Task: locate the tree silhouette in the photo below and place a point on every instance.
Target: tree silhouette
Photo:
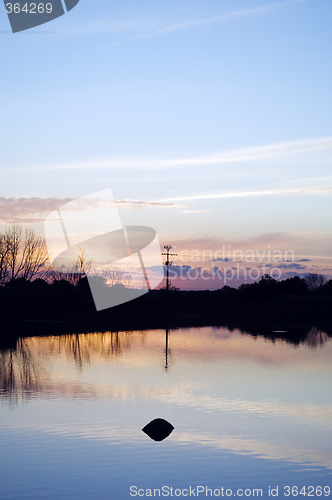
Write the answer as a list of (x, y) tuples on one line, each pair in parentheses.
[(23, 254), (4, 271), (76, 271), (315, 282)]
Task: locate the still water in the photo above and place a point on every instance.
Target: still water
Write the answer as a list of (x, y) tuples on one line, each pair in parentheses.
[(248, 413)]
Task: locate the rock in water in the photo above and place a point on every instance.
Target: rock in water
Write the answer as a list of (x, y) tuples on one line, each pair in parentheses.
[(158, 429)]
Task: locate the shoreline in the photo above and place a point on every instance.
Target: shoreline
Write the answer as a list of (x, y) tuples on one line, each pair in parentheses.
[(288, 319)]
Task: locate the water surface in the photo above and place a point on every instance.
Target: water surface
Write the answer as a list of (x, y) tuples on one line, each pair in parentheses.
[(248, 413)]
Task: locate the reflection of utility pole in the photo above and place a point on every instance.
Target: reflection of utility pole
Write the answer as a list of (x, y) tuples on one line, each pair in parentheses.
[(168, 263), (166, 358)]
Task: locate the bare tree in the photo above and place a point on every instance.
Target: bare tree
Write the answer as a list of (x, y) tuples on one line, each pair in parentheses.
[(116, 276), (35, 255), (24, 253), (3, 259), (75, 271), (315, 281), (84, 261), (13, 237)]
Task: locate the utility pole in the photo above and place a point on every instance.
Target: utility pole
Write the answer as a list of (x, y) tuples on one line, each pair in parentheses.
[(168, 263)]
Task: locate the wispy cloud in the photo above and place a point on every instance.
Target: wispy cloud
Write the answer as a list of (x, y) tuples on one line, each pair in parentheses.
[(303, 244), (317, 190), (240, 155), (208, 21), (260, 152), (26, 210), (197, 211), (291, 266)]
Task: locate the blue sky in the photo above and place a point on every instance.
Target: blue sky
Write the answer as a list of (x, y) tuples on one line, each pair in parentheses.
[(218, 111)]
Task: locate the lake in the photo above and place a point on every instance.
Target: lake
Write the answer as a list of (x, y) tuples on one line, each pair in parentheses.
[(250, 414)]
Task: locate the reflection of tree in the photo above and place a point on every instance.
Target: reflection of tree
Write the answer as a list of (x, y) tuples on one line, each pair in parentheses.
[(81, 347), (312, 336), (21, 370), (20, 373), (316, 337)]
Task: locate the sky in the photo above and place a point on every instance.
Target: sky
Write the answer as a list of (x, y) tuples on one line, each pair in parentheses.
[(210, 121)]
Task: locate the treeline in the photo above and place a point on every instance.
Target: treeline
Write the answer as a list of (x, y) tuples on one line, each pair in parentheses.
[(31, 292), (268, 288), (24, 256), (72, 292), (71, 284), (25, 269)]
